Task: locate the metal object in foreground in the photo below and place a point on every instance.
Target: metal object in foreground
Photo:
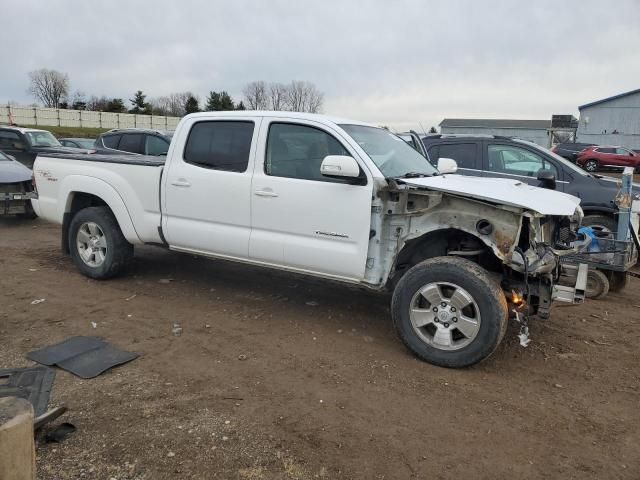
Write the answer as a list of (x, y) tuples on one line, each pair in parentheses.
[(575, 294)]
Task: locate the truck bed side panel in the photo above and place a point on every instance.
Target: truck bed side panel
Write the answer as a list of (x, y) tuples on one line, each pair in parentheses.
[(132, 190)]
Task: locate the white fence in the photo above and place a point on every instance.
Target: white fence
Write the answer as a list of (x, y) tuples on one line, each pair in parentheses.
[(79, 118)]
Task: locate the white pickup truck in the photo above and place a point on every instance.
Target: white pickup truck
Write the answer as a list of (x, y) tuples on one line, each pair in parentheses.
[(330, 198)]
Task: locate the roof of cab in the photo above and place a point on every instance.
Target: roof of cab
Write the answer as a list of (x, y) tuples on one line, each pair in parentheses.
[(274, 114)]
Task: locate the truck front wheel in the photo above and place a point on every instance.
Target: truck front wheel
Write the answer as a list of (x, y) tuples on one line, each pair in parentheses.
[(449, 312), (97, 246)]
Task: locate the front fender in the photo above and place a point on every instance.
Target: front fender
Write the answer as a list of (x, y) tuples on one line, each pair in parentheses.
[(94, 186)]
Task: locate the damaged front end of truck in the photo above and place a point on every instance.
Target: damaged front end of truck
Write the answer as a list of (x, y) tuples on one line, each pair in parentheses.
[(518, 246)]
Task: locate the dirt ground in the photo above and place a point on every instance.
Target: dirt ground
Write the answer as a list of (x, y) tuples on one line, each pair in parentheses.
[(277, 376)]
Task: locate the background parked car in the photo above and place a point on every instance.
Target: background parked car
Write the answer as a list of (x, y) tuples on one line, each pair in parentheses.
[(596, 158), (570, 151), (24, 144), (16, 188), (134, 140), (504, 157), (85, 143)]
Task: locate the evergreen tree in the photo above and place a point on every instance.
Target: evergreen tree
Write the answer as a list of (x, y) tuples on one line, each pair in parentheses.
[(433, 130), (226, 103), (116, 105), (213, 102), (191, 105), (140, 106), (240, 106), (219, 101)]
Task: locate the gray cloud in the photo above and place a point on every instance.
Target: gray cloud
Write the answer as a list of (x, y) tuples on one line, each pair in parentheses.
[(393, 63)]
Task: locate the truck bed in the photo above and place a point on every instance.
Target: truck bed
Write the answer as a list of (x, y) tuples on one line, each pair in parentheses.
[(129, 184)]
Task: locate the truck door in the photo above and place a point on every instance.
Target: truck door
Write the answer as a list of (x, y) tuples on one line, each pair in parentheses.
[(301, 219), (206, 191)]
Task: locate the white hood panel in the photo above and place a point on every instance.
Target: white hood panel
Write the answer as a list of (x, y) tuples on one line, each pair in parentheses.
[(502, 190)]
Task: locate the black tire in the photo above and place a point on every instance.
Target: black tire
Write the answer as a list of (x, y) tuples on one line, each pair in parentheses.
[(618, 281), (485, 292), (597, 285), (118, 250), (600, 222), (591, 165)]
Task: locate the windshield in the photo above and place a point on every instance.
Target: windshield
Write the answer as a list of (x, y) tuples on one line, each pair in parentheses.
[(42, 139), (391, 154), (559, 159)]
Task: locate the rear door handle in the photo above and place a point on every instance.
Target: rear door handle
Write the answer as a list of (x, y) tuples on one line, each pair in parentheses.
[(181, 182), (267, 192)]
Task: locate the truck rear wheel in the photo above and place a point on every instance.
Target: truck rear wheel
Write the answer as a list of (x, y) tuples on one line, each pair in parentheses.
[(449, 312), (97, 246)]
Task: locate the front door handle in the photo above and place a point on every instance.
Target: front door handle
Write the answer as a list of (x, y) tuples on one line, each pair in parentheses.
[(181, 182), (267, 192)]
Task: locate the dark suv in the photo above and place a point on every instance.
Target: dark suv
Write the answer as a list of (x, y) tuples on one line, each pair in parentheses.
[(134, 141), (504, 157)]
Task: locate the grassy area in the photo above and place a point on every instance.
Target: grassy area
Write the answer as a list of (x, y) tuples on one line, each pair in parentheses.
[(70, 132)]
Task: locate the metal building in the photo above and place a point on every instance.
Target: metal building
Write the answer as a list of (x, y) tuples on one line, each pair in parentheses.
[(612, 121), (536, 131)]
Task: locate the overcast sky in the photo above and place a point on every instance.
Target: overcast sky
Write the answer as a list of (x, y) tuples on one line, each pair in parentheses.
[(395, 63)]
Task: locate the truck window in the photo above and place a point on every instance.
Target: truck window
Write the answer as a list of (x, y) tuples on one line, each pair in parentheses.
[(297, 151), (131, 142), (220, 145)]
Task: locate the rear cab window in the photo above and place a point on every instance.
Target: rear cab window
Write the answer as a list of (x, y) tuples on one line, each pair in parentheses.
[(220, 145)]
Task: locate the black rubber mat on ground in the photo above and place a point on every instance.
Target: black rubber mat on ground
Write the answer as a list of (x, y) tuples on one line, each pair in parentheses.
[(33, 384), (86, 357)]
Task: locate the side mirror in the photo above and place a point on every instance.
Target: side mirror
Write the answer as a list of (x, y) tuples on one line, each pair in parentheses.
[(547, 179), (340, 166), (447, 165)]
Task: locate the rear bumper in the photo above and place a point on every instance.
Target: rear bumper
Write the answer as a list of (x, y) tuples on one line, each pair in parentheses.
[(16, 203)]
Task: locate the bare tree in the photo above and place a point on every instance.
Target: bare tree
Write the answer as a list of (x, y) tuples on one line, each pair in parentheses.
[(171, 105), (278, 96), (97, 104), (49, 86), (255, 95), (304, 97)]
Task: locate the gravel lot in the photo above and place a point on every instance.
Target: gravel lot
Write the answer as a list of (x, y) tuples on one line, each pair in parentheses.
[(279, 376)]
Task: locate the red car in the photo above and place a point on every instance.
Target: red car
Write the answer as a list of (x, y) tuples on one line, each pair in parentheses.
[(594, 158)]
